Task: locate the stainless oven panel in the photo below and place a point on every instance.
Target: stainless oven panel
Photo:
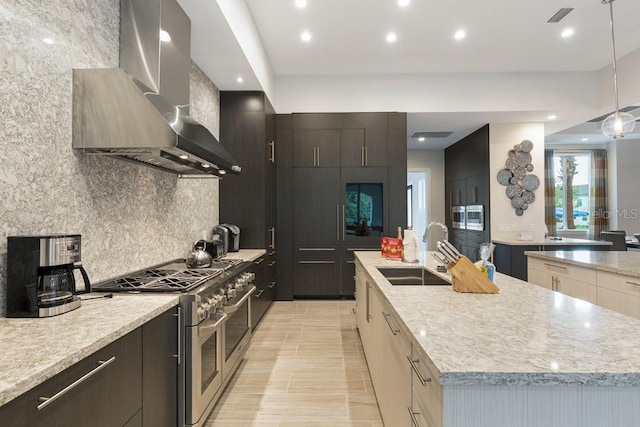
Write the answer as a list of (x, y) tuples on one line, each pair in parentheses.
[(475, 217), (458, 217), (237, 331), (204, 369)]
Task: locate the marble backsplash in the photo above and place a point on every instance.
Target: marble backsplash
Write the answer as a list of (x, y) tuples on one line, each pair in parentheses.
[(130, 216)]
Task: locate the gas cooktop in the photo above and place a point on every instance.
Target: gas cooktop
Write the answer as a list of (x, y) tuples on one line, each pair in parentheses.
[(169, 277)]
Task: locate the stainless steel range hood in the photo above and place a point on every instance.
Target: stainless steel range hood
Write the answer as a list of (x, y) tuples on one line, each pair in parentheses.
[(139, 112)]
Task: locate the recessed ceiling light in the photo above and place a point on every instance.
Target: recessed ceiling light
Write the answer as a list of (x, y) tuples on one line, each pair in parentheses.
[(239, 79), (48, 40), (460, 34), (301, 4), (222, 171), (206, 165), (184, 157), (305, 36), (552, 117), (422, 138), (391, 37), (404, 3), (165, 36), (585, 139), (567, 33)]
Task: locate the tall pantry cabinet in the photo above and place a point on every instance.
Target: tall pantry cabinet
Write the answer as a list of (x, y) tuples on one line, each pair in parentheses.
[(247, 131), (341, 185)]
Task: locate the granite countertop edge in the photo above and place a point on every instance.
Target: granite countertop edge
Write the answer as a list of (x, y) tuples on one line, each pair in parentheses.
[(552, 256)]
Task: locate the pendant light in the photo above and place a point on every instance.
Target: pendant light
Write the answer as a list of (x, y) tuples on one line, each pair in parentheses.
[(618, 124)]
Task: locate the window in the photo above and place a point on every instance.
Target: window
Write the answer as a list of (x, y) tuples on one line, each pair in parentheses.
[(572, 190)]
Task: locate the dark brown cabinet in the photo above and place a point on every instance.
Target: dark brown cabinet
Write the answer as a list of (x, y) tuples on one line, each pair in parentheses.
[(161, 359), (467, 182), (130, 382), (316, 148), (248, 129), (326, 212)]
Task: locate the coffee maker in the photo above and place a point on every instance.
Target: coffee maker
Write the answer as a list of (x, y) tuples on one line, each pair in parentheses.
[(41, 275)]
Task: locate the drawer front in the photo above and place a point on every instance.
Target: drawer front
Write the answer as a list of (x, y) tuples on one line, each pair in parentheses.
[(427, 398), (106, 394), (580, 274), (620, 302), (617, 282)]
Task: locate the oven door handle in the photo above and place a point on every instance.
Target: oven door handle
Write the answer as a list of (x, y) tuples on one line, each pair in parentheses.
[(233, 308), (208, 327)]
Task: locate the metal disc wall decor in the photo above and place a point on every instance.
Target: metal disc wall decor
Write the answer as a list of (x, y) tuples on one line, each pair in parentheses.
[(516, 176)]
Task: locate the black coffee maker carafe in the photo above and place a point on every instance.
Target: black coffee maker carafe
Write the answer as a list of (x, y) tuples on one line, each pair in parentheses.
[(41, 275)]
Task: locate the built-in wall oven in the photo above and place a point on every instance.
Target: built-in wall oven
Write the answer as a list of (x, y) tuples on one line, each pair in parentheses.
[(475, 217), (458, 217)]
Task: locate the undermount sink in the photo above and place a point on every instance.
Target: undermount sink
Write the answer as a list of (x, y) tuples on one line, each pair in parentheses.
[(411, 277)]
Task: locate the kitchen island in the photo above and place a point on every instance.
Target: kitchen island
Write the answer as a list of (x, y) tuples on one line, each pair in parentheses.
[(523, 357), (510, 259), (609, 279)]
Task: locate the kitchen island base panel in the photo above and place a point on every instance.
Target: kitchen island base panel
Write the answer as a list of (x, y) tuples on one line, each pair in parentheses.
[(548, 406)]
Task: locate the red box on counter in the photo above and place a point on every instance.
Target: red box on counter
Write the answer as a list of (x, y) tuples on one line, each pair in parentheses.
[(391, 247)]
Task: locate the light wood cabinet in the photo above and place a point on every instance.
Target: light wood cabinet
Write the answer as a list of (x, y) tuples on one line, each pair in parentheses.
[(571, 280), (619, 293)]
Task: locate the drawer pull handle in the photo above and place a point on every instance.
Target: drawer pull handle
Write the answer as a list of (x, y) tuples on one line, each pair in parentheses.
[(46, 401), (422, 379), (414, 420), (634, 284), (386, 317), (316, 249), (354, 310), (316, 262), (272, 263), (257, 295), (271, 285), (555, 266), (260, 261)]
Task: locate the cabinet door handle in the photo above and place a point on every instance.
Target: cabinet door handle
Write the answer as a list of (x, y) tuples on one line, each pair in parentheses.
[(316, 262), (634, 284), (414, 420), (386, 317), (318, 155), (354, 310), (351, 262), (179, 316), (314, 157), (344, 220), (272, 158), (424, 381), (338, 222), (260, 292), (46, 401), (317, 249), (272, 253), (260, 261), (557, 284), (272, 263), (362, 155), (555, 266), (272, 230), (271, 285), (366, 156)]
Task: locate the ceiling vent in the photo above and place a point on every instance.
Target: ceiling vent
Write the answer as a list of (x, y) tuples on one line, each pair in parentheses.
[(559, 15), (622, 110), (442, 134)]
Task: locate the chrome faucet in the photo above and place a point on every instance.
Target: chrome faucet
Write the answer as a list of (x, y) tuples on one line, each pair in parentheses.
[(425, 237)]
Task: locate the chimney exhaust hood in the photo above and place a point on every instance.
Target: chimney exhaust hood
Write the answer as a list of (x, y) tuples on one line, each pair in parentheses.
[(139, 112)]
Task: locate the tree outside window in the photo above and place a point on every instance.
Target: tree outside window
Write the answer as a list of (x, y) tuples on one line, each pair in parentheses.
[(572, 189)]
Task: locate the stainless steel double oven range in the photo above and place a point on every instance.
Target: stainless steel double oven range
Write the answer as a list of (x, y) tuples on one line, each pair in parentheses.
[(215, 325)]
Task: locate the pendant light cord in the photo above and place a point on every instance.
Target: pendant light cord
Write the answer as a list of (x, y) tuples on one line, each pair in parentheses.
[(613, 43)]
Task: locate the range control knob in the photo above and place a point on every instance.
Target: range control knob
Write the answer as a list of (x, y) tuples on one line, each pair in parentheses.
[(203, 313)]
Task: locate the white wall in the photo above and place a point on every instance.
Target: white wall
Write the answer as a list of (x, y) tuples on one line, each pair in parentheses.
[(433, 162), (623, 159), (505, 224)]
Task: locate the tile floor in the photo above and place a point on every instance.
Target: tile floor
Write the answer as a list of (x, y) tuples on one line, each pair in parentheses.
[(305, 367)]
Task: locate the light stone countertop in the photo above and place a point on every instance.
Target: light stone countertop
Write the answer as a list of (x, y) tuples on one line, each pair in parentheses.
[(621, 262), (524, 335), (34, 350), (566, 241), (246, 254)]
